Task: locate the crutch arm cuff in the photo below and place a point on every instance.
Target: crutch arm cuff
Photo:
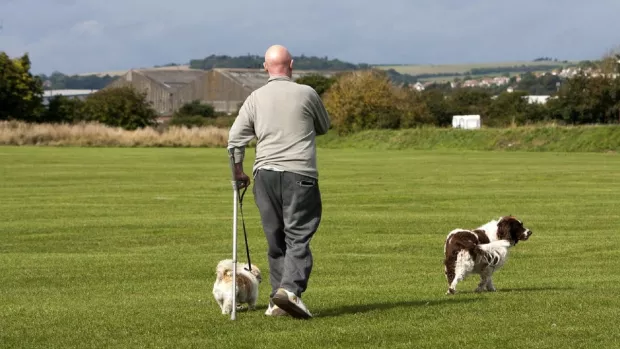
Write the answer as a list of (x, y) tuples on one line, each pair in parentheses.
[(237, 152)]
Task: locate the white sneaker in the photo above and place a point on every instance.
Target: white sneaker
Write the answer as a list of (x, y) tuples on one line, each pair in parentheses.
[(289, 302), (274, 310)]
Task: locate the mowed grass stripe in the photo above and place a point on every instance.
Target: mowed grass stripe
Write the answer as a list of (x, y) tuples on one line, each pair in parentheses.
[(117, 248)]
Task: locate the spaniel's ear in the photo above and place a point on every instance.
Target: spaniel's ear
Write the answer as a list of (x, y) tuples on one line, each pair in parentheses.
[(503, 229)]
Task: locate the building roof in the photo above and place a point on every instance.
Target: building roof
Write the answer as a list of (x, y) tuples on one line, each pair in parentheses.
[(172, 78), (67, 92), (255, 78), (123, 72)]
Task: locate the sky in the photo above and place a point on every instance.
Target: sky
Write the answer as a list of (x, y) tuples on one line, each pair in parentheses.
[(79, 36)]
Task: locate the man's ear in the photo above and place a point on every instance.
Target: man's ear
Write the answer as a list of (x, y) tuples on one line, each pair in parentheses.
[(265, 66), (291, 65)]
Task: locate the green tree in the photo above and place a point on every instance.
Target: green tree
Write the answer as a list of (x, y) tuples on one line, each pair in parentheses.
[(370, 100), (438, 107), (466, 101), (507, 109), (539, 112), (401, 79), (61, 109), (413, 109), (21, 93), (363, 100), (319, 83), (610, 63), (120, 107), (543, 85), (587, 100)]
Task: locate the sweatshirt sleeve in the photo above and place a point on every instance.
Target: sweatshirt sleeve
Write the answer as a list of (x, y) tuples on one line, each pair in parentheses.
[(321, 117), (242, 130)]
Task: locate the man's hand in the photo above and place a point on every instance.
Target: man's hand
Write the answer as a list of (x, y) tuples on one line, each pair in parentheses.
[(242, 179)]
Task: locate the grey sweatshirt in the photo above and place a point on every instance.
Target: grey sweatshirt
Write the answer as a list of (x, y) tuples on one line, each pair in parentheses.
[(285, 117)]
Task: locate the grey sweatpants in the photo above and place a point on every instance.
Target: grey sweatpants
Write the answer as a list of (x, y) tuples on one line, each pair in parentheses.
[(290, 208)]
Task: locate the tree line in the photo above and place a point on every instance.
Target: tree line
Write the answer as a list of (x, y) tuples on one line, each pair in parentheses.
[(21, 98), (356, 100), (370, 100), (249, 61), (60, 81)]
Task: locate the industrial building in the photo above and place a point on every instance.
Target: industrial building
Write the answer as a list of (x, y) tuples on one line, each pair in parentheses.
[(225, 89)]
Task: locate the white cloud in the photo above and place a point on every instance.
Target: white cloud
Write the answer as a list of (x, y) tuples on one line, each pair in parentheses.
[(93, 35)]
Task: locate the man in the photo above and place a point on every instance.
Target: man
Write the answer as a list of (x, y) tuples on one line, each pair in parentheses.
[(285, 117)]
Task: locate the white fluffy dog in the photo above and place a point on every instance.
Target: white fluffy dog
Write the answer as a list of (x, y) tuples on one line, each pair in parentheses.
[(247, 285)]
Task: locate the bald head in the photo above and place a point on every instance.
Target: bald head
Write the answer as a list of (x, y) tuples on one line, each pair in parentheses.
[(278, 61)]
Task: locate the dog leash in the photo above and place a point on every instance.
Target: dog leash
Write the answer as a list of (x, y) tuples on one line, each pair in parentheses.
[(240, 195)]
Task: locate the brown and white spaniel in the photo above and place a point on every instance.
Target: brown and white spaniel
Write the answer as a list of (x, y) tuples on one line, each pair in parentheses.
[(481, 251)]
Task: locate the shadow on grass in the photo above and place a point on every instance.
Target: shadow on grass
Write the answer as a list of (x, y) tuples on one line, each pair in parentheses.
[(454, 299), (534, 289), (363, 308), (244, 308), (524, 289)]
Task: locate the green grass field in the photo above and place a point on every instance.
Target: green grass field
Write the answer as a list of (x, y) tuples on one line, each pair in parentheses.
[(117, 248), (418, 69)]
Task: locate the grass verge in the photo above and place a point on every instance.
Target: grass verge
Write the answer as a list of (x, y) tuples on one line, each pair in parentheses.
[(527, 138)]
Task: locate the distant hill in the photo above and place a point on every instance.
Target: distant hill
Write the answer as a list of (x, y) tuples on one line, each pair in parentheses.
[(450, 71), (406, 73), (256, 62)]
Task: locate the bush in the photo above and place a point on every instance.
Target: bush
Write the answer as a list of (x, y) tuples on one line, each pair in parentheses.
[(194, 114), (196, 108)]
